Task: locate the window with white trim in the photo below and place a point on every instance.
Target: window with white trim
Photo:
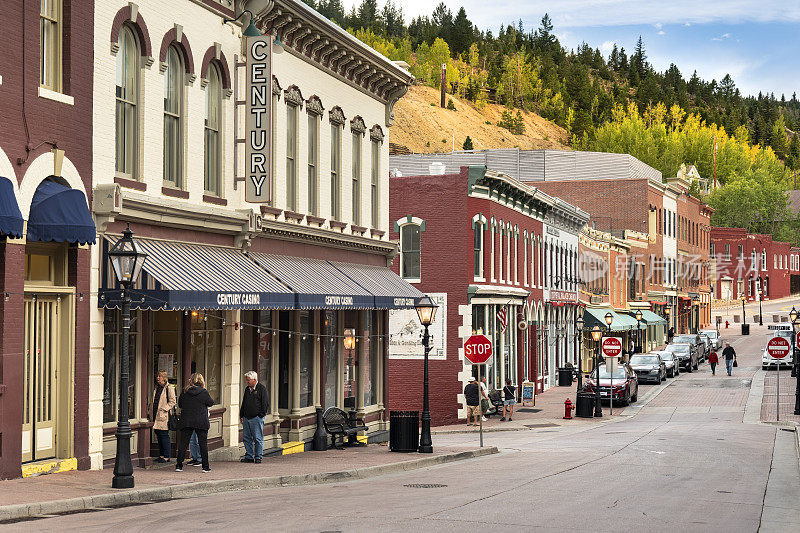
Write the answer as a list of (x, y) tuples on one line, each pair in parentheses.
[(291, 156), (356, 169), (212, 132), (336, 171), (374, 192), (313, 164), (411, 251), (173, 128), (50, 44), (477, 250), (127, 101)]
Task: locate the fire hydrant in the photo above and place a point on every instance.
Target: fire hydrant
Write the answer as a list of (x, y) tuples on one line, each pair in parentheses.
[(568, 409), (727, 324)]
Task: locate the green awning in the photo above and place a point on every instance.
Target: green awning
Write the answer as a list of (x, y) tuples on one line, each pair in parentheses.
[(592, 316), (651, 318)]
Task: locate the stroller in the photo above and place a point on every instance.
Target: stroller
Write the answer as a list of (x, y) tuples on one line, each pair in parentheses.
[(495, 404)]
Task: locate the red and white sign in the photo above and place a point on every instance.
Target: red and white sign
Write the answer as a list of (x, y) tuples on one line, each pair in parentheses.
[(778, 348), (477, 349), (563, 296), (612, 347)]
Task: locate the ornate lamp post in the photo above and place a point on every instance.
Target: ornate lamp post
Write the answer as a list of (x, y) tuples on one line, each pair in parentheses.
[(127, 259), (760, 300), (667, 312), (639, 330), (579, 344), (426, 310), (744, 315), (597, 334)]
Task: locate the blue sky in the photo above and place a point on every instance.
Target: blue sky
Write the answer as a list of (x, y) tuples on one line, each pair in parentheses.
[(756, 42)]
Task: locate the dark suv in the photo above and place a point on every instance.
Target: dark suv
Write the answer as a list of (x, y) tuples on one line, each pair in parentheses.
[(697, 345), (685, 353)]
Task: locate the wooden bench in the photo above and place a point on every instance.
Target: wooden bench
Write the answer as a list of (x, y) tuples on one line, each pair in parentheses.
[(339, 424)]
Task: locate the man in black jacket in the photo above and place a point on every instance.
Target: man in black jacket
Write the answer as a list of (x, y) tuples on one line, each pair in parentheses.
[(255, 405)]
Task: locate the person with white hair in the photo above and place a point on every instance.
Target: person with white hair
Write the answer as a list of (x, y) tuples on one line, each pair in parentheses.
[(255, 405)]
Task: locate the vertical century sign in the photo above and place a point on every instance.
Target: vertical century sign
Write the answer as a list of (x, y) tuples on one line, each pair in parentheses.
[(258, 123)]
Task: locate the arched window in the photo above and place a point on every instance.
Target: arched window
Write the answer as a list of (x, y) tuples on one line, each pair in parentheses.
[(410, 252), (127, 97), (173, 130), (477, 249), (213, 125)]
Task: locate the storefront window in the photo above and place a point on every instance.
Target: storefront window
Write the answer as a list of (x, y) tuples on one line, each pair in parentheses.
[(350, 378), (510, 348), (372, 361), (478, 319), (112, 347), (307, 342), (206, 351), (264, 339), (330, 326), (283, 360)]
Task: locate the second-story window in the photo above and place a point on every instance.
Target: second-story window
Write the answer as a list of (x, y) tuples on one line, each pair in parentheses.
[(356, 188), (127, 100), (477, 250), (50, 39), (291, 156), (410, 252), (313, 164), (173, 131), (375, 201), (336, 171), (213, 124)]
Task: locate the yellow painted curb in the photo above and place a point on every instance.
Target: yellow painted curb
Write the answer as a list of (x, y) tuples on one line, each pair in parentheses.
[(293, 447), (49, 467), (362, 438)]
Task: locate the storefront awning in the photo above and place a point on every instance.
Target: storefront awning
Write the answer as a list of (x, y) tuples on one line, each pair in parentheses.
[(390, 290), (178, 275), (60, 214), (317, 283), (11, 223), (592, 316), (651, 318)]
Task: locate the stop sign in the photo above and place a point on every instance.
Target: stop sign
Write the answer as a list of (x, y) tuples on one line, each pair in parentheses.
[(612, 347), (778, 347), (477, 349)]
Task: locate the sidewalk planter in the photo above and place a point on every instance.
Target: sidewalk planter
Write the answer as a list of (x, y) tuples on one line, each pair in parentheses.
[(403, 431)]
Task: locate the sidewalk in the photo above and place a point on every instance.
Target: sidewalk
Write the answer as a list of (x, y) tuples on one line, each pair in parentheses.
[(769, 404), (91, 489), (548, 412)]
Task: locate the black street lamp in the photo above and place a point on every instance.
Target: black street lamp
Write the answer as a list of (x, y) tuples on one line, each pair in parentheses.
[(426, 310), (579, 343), (795, 362), (597, 334), (127, 259), (639, 330), (667, 312), (744, 314)]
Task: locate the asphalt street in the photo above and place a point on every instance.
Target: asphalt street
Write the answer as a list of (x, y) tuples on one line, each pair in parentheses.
[(688, 457)]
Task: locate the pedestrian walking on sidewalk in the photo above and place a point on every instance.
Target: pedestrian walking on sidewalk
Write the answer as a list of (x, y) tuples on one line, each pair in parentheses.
[(713, 360), (730, 357), (485, 403), (472, 395), (509, 400), (255, 405), (194, 403), (161, 404)]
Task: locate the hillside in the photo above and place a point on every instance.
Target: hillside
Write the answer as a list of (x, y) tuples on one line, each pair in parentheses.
[(421, 127)]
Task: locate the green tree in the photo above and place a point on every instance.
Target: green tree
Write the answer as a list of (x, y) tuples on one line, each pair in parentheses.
[(462, 34), (467, 144), (753, 202), (778, 139)]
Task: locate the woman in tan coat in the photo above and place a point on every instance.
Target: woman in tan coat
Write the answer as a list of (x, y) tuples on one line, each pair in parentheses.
[(162, 403)]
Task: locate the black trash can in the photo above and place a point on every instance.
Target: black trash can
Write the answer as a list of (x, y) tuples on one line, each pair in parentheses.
[(745, 329), (584, 405), (565, 377), (403, 431)]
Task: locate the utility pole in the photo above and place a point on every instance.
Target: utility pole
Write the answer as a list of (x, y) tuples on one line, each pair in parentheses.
[(444, 82), (715, 162)]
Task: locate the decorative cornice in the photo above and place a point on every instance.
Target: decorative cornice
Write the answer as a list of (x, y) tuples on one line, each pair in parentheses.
[(300, 233), (276, 87), (357, 125), (336, 116), (292, 95), (376, 133), (314, 105)]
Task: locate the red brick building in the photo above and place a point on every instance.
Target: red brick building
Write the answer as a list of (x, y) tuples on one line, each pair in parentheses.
[(475, 241), (747, 264), (45, 165)]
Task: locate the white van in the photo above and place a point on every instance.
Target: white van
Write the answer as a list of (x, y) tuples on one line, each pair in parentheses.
[(767, 361)]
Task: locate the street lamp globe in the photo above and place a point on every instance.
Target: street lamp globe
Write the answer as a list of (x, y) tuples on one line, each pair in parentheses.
[(639, 315), (579, 323), (597, 333), (127, 258), (349, 339), (793, 315), (426, 310), (609, 318)]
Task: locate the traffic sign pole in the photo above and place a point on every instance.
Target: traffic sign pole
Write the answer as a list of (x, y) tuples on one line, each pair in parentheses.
[(778, 348), (478, 350)]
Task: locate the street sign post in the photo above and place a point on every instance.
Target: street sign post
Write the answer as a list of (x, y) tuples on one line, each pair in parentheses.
[(477, 351), (778, 348), (611, 348)]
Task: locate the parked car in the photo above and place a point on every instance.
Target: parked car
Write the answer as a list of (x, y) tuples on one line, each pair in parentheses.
[(625, 383), (695, 341), (670, 362), (686, 354), (707, 345), (716, 338), (648, 367), (767, 361)]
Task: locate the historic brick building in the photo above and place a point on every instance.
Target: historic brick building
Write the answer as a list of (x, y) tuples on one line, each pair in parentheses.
[(477, 242), (45, 170)]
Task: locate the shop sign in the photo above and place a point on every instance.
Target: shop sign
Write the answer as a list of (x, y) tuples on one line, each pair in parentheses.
[(336, 301), (404, 302), (552, 231), (258, 120), (563, 296), (236, 298), (405, 332)]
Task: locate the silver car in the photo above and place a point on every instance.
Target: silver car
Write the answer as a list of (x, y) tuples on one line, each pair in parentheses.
[(716, 338), (648, 367), (670, 362)]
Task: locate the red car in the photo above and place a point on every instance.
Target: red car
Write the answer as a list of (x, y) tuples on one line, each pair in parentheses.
[(625, 383)]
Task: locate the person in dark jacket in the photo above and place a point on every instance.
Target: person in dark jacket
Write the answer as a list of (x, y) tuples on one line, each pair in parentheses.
[(194, 403), (471, 394), (255, 405), (730, 356)]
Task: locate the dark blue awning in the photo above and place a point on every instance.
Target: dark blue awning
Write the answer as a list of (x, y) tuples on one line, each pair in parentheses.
[(318, 284), (60, 214), (179, 275), (11, 222), (390, 290)]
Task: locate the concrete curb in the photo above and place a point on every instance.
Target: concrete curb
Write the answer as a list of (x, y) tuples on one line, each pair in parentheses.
[(752, 409), (204, 488)]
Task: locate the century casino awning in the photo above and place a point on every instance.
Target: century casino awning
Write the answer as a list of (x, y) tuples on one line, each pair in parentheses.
[(390, 290), (179, 275), (11, 223)]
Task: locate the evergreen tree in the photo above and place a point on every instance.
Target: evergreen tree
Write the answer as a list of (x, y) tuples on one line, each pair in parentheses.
[(462, 33), (443, 18), (368, 16), (778, 139), (467, 144)]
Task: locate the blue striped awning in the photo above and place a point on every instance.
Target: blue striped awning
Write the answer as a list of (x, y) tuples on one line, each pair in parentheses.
[(390, 290), (317, 283), (179, 275), (11, 223)]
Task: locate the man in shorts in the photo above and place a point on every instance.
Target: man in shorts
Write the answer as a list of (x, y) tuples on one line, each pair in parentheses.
[(509, 400), (471, 393)]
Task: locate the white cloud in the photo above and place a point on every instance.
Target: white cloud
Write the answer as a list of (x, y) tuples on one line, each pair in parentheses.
[(607, 47), (657, 25), (722, 37), (662, 32)]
